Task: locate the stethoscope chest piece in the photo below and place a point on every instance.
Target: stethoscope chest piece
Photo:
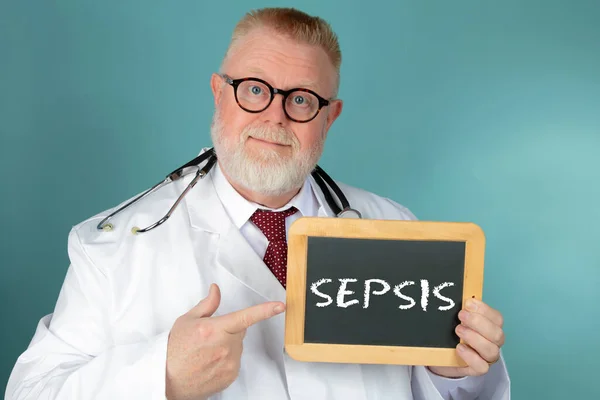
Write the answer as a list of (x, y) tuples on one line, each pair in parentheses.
[(349, 213)]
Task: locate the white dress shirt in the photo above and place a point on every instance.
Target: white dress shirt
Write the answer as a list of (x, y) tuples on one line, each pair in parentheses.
[(240, 210)]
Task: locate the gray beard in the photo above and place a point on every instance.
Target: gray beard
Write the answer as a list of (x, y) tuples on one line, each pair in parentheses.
[(265, 172)]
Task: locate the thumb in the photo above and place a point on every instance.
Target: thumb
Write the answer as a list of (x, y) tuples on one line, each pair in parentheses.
[(208, 305)]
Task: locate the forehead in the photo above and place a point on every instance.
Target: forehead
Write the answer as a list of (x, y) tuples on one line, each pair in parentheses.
[(282, 62)]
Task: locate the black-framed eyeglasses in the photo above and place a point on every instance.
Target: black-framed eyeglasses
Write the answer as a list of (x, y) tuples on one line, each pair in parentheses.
[(255, 95)]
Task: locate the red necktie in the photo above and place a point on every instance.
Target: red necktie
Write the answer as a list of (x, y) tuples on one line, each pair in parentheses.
[(272, 225)]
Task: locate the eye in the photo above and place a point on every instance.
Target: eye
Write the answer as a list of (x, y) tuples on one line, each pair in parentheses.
[(256, 90), (299, 100)]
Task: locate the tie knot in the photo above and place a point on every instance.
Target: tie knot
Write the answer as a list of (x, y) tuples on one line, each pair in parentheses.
[(272, 223)]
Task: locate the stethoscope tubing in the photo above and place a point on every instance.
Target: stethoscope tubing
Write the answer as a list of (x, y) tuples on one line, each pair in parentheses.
[(323, 180)]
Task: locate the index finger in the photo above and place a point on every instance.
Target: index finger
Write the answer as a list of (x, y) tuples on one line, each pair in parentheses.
[(480, 307), (239, 321)]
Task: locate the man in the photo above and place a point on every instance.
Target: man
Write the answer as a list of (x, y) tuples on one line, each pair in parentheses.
[(193, 309)]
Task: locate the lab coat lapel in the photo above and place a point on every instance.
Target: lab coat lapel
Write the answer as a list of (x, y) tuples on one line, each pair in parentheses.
[(233, 252), (237, 256)]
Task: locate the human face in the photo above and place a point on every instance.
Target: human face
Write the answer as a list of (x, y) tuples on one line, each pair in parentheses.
[(267, 152)]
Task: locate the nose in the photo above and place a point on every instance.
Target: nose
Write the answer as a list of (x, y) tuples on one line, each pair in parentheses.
[(275, 113)]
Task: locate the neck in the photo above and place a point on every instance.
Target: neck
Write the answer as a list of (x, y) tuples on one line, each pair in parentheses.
[(260, 198)]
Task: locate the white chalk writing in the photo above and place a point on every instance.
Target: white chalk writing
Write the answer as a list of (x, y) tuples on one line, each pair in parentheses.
[(436, 293), (313, 288), (424, 294), (386, 288), (344, 294), (397, 290)]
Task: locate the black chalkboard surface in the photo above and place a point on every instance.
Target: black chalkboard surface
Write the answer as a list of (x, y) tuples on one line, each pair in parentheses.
[(380, 291), (403, 286)]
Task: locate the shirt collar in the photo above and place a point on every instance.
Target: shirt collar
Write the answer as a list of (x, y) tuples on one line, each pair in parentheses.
[(240, 210)]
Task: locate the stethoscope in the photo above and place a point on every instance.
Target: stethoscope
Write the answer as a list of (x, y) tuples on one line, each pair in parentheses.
[(327, 185)]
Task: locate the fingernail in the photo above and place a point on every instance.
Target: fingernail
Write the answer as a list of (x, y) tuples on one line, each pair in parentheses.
[(278, 308), (460, 329), (472, 305), (461, 347), (463, 315)]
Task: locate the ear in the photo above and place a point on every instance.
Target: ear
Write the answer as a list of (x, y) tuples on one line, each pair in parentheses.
[(216, 84), (335, 109)]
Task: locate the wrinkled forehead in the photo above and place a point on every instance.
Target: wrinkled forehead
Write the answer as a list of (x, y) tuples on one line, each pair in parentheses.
[(282, 62)]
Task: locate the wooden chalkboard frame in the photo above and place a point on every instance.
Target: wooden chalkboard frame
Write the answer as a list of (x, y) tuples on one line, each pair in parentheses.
[(304, 227)]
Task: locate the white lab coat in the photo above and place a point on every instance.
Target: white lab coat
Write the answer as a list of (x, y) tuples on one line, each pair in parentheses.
[(107, 336)]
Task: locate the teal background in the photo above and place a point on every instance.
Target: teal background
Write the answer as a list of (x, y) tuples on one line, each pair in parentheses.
[(461, 110)]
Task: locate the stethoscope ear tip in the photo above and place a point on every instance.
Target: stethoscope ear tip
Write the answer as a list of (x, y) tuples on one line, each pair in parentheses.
[(108, 227)]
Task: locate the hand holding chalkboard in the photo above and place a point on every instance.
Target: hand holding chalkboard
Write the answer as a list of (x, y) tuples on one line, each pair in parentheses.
[(371, 291), (481, 329)]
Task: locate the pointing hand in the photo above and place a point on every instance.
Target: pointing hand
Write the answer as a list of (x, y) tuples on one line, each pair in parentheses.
[(204, 352)]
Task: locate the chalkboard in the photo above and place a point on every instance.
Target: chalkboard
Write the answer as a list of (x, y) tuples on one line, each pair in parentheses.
[(372, 291)]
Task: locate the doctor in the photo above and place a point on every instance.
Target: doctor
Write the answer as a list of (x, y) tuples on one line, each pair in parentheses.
[(194, 309)]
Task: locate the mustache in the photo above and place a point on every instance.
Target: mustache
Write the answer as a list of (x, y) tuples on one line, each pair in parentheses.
[(279, 134)]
